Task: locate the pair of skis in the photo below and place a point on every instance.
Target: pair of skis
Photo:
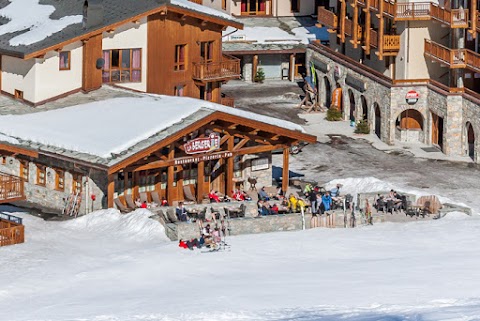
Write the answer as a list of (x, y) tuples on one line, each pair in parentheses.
[(72, 204)]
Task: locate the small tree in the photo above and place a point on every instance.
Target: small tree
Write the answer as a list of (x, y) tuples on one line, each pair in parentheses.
[(362, 127), (333, 114), (260, 75)]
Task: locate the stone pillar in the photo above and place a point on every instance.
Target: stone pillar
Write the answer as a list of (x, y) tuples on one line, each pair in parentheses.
[(453, 126), (247, 68), (292, 67)]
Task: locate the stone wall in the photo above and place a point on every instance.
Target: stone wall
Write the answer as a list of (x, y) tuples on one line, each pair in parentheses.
[(471, 114), (48, 198)]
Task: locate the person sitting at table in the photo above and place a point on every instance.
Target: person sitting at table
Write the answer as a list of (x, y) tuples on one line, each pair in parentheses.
[(238, 195), (274, 209), (293, 203), (164, 202), (262, 194), (144, 205), (263, 209), (213, 196), (181, 212)]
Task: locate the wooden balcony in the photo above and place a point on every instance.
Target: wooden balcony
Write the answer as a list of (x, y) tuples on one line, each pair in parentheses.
[(228, 68), (11, 188), (455, 18), (227, 101), (391, 45), (453, 58), (327, 18), (12, 230), (373, 38)]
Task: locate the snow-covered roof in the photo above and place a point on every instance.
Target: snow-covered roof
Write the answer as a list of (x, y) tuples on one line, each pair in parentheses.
[(28, 26), (106, 129)]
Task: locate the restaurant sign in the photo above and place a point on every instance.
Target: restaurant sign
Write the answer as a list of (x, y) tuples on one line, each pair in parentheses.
[(412, 97), (202, 145), (202, 158)]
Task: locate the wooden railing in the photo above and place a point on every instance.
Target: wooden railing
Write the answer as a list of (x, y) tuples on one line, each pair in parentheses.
[(472, 60), (412, 11), (228, 68), (11, 188), (456, 18), (197, 1), (12, 230), (373, 38), (391, 43), (227, 101), (327, 18), (455, 58)]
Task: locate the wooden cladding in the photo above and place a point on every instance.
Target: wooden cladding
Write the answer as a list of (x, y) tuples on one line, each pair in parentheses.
[(228, 68), (227, 101), (454, 58), (12, 230), (11, 188)]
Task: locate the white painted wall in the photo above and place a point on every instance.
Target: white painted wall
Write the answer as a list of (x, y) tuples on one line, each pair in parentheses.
[(130, 36), (18, 74), (282, 8), (50, 81)]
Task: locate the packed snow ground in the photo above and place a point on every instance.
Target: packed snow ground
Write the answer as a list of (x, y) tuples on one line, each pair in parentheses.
[(107, 266)]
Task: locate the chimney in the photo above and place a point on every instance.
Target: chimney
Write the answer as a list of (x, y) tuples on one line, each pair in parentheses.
[(92, 13)]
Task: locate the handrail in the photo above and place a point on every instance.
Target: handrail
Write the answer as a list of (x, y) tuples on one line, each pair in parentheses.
[(229, 67), (455, 58), (327, 18), (391, 42), (11, 218)]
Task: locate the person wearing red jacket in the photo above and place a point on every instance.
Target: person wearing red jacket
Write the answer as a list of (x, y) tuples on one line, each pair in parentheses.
[(213, 196), (183, 244)]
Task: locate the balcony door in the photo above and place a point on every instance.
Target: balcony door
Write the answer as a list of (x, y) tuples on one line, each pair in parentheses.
[(254, 7)]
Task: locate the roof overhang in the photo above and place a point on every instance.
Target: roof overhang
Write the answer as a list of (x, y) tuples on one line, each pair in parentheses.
[(18, 150)]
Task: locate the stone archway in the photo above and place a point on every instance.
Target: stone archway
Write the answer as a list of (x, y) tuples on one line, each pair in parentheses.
[(409, 126), (363, 101), (378, 120), (470, 140), (351, 98)]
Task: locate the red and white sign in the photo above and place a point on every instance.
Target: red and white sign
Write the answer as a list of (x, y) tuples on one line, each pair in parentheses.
[(412, 97), (202, 145)]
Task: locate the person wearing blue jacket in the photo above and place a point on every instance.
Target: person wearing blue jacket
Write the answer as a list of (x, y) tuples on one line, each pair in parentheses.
[(327, 201)]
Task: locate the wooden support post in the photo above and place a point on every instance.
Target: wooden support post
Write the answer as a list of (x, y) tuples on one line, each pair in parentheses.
[(110, 190), (254, 67), (355, 25), (292, 67), (229, 185), (285, 177), (343, 13), (473, 18), (170, 170), (200, 181), (136, 180), (381, 30), (368, 26)]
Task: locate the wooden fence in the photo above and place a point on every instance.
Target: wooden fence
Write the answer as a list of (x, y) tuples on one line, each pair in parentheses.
[(12, 230), (11, 188)]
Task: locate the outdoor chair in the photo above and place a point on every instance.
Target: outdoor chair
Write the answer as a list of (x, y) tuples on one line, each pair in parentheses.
[(156, 197), (130, 202), (187, 194), (143, 197), (122, 208), (172, 216), (243, 209)]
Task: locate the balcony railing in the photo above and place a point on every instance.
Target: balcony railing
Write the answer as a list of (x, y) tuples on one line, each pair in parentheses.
[(12, 230), (373, 38), (228, 68), (327, 18), (391, 44), (227, 101), (197, 1), (11, 188), (412, 11), (454, 58), (456, 18)]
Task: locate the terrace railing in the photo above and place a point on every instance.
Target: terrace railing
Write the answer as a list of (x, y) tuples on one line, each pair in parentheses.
[(12, 230), (11, 188), (228, 68)]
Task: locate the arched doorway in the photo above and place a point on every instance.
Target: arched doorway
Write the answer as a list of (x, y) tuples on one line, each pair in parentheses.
[(378, 121), (351, 97), (437, 131), (328, 92), (409, 126), (364, 108), (470, 140)]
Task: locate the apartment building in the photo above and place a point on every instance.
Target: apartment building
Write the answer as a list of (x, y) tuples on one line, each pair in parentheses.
[(411, 69)]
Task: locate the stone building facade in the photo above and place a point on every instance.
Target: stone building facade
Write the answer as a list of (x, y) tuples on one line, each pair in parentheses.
[(448, 120)]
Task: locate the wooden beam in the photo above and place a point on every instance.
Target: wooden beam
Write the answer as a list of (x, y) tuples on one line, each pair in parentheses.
[(258, 149), (229, 175), (355, 24), (110, 190), (240, 144), (381, 31), (285, 171), (200, 181), (170, 187), (473, 18), (343, 13), (254, 67), (368, 26), (18, 150)]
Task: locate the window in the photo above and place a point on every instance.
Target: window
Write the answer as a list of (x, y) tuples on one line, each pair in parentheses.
[(64, 60), (206, 51), (260, 163), (76, 183), (18, 94), (295, 5), (4, 160), (122, 65), (41, 173), (24, 170), (59, 180), (179, 90), (180, 57), (206, 92)]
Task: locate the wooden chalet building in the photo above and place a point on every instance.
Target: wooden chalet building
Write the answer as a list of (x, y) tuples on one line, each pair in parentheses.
[(155, 46), (181, 143)]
